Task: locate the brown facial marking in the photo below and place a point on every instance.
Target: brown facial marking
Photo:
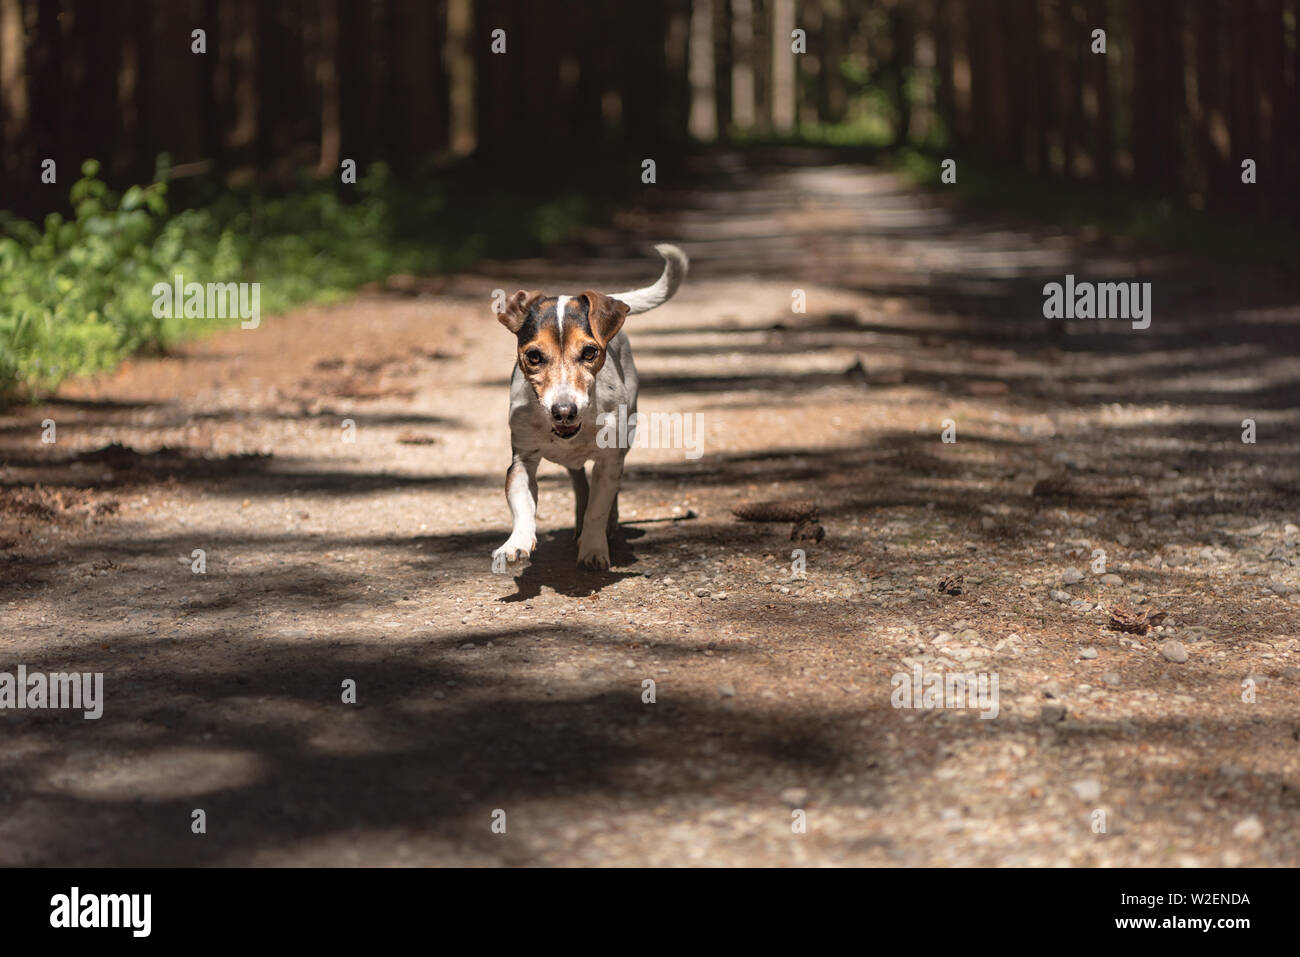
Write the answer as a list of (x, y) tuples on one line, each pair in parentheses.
[(555, 361)]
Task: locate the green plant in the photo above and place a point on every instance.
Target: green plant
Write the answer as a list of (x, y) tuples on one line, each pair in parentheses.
[(76, 294)]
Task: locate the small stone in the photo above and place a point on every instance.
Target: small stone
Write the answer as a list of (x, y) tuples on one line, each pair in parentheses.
[(1087, 789), (1072, 576), (1062, 596), (1112, 579), (727, 691), (1088, 653), (1052, 713), (1249, 829), (701, 593), (1174, 651), (720, 596), (794, 797), (1111, 679)]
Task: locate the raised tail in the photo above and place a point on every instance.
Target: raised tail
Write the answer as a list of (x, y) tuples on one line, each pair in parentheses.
[(645, 299)]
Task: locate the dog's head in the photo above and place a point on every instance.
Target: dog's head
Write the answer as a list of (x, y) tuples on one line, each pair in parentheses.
[(561, 346)]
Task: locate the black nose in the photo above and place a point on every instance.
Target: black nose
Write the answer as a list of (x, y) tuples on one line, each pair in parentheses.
[(565, 413)]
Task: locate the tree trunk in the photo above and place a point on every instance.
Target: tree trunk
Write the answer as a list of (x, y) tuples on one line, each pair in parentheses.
[(463, 133), (703, 122), (13, 86), (327, 75), (1103, 140), (900, 68), (945, 92), (743, 111), (783, 67)]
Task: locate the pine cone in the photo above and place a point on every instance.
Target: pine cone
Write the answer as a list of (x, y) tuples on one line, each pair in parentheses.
[(951, 584), (1134, 622), (777, 511)]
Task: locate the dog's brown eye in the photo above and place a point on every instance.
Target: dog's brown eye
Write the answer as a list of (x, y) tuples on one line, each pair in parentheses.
[(589, 354), (533, 356)]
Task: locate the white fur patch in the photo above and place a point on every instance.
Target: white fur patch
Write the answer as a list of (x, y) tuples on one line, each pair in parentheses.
[(559, 313)]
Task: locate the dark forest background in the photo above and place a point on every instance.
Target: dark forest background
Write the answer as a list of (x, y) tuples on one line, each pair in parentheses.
[(228, 163), (1185, 91)]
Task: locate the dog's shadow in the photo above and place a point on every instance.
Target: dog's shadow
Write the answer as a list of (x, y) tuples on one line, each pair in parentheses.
[(554, 563)]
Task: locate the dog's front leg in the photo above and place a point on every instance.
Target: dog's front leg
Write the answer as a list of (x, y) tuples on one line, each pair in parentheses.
[(593, 543), (521, 495)]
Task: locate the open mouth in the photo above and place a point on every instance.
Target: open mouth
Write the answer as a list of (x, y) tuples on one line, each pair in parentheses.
[(567, 431)]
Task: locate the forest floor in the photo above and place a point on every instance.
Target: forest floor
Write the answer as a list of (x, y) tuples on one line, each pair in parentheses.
[(772, 738)]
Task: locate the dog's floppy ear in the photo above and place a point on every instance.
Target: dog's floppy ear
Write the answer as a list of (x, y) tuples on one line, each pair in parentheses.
[(604, 315), (516, 310)]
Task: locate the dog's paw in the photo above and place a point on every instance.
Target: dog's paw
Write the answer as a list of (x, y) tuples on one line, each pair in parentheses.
[(593, 554), (516, 549)]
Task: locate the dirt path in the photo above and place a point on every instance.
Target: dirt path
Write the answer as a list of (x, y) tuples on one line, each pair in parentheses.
[(329, 560)]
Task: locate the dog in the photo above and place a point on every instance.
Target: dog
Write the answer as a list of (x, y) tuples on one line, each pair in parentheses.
[(573, 367)]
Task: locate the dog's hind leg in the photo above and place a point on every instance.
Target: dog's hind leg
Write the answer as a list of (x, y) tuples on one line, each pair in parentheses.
[(581, 492)]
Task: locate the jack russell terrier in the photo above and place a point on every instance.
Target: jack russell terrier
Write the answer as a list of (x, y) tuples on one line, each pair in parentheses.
[(574, 367)]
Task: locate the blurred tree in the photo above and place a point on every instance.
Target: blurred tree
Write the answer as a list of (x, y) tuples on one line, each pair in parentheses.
[(13, 75), (704, 112), (743, 109), (459, 57), (783, 67), (1184, 92)]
